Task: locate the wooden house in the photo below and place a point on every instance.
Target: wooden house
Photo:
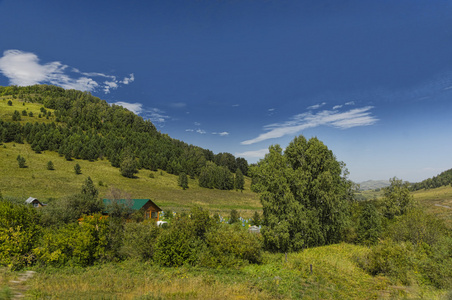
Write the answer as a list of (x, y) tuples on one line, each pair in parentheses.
[(35, 202), (149, 208)]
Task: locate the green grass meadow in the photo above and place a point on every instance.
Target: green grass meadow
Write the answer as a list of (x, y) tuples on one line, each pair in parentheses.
[(36, 181)]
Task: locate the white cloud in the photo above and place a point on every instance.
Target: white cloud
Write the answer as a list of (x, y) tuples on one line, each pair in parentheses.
[(224, 133), (189, 130), (197, 124), (337, 107), (317, 106), (136, 108), (129, 79), (271, 109), (157, 116), (253, 154), (23, 68), (343, 120), (109, 85), (350, 103), (201, 131)]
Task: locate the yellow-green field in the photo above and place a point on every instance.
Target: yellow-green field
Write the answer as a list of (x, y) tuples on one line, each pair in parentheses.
[(37, 181)]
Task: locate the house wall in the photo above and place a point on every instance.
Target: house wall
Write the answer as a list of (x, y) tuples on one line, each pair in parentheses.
[(149, 209)]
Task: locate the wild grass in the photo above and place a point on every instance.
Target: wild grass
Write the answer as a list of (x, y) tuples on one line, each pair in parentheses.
[(335, 275), (437, 201)]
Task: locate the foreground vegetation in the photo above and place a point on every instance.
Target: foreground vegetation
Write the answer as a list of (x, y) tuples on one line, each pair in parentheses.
[(394, 249), (335, 275)]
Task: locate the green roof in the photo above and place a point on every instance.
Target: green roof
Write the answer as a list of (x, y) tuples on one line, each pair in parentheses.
[(137, 204)]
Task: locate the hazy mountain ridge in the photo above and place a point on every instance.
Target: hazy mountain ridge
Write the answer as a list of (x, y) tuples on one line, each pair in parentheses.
[(373, 184)]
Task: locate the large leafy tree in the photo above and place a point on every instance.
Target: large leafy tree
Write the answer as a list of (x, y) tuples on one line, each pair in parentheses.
[(304, 193), (397, 198)]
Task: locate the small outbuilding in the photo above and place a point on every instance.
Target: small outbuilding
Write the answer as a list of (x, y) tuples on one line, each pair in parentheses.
[(35, 202), (149, 208)]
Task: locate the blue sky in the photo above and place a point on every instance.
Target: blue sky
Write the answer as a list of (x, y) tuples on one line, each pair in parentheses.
[(371, 79)]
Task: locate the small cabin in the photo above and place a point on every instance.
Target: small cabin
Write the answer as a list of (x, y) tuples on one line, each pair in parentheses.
[(150, 209), (35, 202)]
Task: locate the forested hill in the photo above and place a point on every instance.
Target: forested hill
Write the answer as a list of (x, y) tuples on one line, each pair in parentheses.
[(443, 179), (78, 125)]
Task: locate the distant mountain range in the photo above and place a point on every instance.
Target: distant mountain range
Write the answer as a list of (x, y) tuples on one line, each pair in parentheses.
[(373, 184)]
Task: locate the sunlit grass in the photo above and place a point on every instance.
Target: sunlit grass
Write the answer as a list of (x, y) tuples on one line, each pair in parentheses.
[(37, 181), (437, 201), (6, 111)]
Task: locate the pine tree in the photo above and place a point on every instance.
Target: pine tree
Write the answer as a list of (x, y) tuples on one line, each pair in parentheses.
[(50, 165), (21, 161), (239, 180), (183, 180), (234, 218), (128, 167), (77, 169)]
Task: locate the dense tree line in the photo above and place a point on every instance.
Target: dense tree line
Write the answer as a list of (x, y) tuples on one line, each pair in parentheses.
[(443, 179), (85, 127)]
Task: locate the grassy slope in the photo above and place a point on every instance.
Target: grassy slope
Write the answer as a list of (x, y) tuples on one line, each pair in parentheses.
[(37, 181), (437, 201), (335, 275), (7, 111)]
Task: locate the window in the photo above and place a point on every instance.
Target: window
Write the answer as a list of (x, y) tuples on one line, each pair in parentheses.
[(35, 204), (147, 215), (154, 215)]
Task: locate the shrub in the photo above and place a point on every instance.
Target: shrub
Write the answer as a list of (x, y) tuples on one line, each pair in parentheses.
[(177, 245), (50, 165), (231, 246), (21, 161), (234, 216), (19, 232), (75, 244), (370, 225), (392, 259), (139, 240), (77, 169)]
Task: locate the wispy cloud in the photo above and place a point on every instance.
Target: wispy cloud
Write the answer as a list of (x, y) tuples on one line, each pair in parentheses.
[(337, 106), (317, 106), (253, 154), (178, 105), (200, 131), (350, 103), (157, 116), (24, 68), (224, 133), (343, 120), (136, 108)]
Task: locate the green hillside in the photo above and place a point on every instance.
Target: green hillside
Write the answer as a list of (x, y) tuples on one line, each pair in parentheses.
[(37, 181), (69, 127)]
